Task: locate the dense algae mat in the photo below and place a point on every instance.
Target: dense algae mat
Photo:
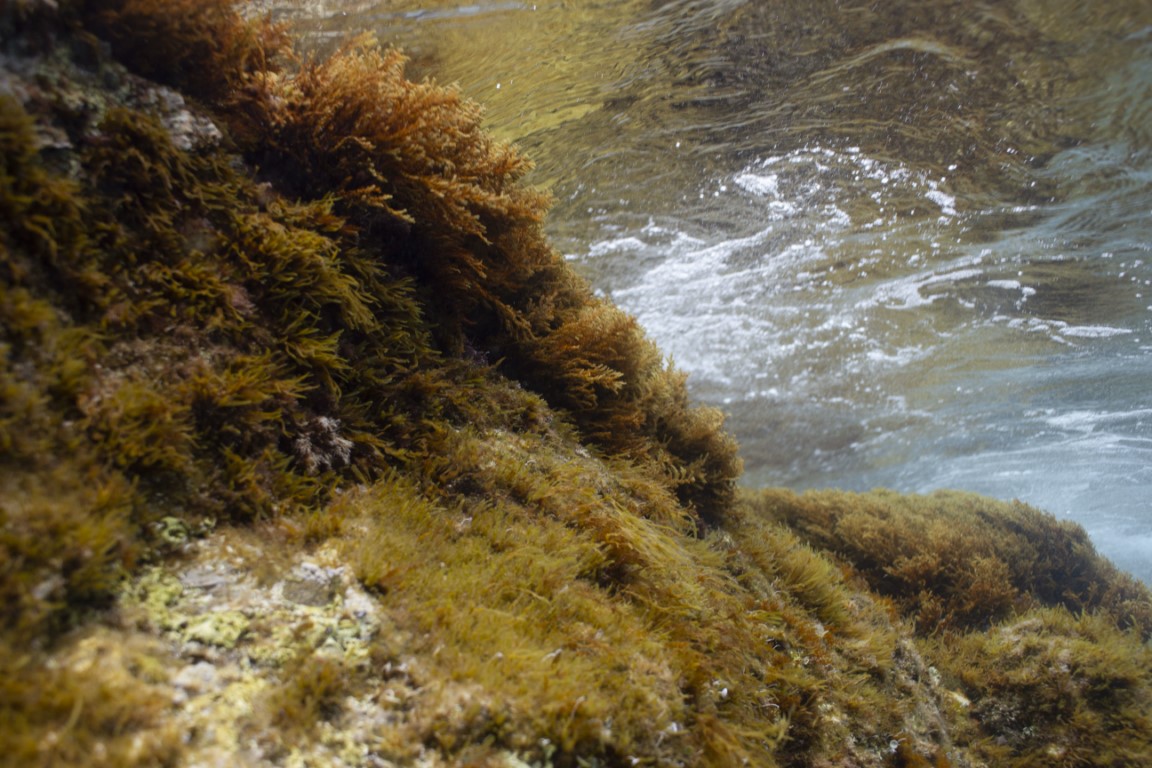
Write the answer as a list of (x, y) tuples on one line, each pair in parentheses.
[(316, 453)]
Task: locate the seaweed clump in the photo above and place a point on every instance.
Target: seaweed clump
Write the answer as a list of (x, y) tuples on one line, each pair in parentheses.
[(1041, 643), (413, 169), (1050, 687), (197, 46), (408, 167), (958, 561)]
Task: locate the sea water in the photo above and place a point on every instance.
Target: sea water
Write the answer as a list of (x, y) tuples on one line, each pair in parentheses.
[(905, 246)]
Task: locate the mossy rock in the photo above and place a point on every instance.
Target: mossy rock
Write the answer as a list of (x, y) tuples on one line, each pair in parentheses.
[(335, 334)]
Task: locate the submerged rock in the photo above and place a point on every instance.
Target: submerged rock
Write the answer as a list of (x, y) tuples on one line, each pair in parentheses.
[(265, 502), (309, 584)]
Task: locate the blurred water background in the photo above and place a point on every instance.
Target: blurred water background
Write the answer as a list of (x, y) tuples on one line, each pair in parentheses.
[(903, 244)]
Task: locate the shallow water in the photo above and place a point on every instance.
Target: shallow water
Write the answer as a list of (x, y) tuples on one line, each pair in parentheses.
[(903, 246)]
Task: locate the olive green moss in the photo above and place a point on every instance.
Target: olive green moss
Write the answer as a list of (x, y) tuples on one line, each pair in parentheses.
[(100, 703), (441, 200), (1044, 642), (1049, 687), (335, 324), (955, 560)]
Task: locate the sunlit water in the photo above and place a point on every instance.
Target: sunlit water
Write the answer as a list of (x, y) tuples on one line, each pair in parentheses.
[(905, 247)]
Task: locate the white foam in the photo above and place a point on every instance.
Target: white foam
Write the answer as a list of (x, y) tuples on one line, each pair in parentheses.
[(1093, 331), (705, 303), (898, 294), (755, 184), (607, 247), (1080, 421), (906, 293), (946, 202), (954, 276), (898, 358), (1090, 421)]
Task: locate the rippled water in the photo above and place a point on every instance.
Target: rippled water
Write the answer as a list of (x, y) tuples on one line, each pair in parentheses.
[(903, 246)]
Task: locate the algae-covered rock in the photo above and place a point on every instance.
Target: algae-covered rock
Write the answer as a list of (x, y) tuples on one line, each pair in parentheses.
[(310, 584), (266, 502)]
